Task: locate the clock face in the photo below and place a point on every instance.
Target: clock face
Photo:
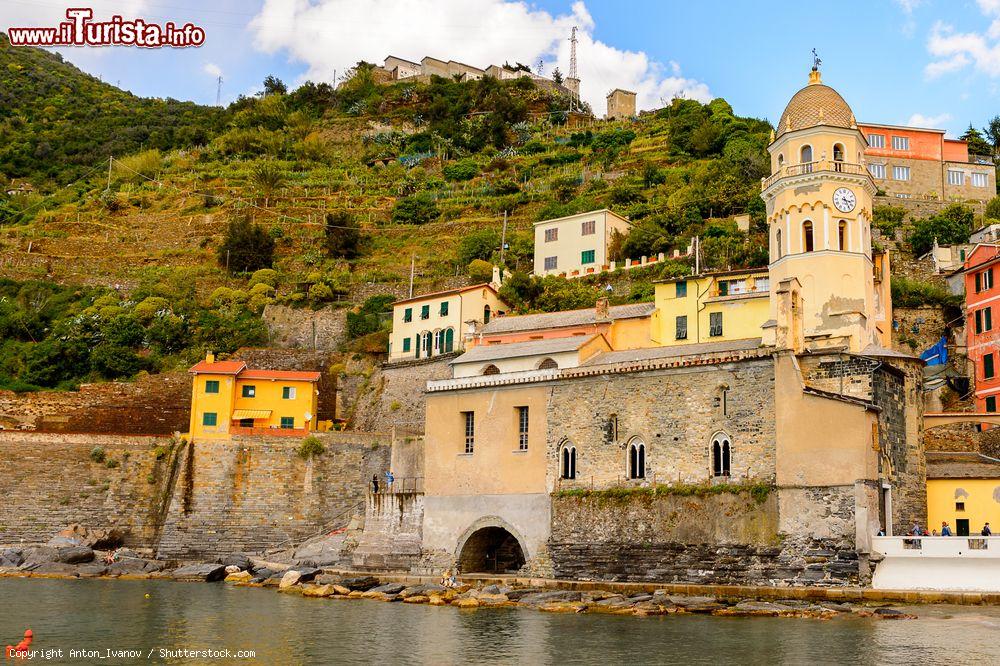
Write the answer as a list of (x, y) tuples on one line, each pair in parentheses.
[(844, 200)]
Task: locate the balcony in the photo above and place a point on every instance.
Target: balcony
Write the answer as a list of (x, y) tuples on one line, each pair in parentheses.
[(964, 563), (268, 432), (832, 166)]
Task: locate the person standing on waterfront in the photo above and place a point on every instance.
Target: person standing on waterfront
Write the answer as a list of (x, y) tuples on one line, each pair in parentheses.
[(986, 530), (945, 530), (915, 530), (389, 478), (375, 484)]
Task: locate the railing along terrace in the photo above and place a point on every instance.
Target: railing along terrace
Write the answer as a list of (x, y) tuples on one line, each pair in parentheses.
[(973, 546), (399, 485), (836, 166)]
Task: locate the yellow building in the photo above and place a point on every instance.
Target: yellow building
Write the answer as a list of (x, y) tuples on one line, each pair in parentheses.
[(711, 307), (963, 488), (819, 211), (433, 324), (228, 398), (576, 245)]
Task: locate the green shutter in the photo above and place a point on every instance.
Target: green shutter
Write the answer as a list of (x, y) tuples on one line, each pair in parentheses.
[(209, 419)]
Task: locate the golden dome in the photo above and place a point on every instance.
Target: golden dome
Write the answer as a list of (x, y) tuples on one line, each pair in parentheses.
[(816, 104)]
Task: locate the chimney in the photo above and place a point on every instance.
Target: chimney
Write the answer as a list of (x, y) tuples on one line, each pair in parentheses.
[(210, 357), (497, 278), (601, 310)]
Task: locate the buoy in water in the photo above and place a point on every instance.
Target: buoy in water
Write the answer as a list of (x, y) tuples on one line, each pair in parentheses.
[(147, 595)]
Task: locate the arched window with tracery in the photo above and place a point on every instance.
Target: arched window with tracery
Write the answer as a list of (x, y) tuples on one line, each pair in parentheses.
[(491, 370), (567, 457), (721, 452), (637, 459), (548, 364), (807, 236)]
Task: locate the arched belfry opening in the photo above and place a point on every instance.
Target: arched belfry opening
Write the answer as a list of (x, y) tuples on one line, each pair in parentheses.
[(491, 549)]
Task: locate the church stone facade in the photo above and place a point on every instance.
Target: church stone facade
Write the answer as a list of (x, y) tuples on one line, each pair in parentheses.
[(770, 459)]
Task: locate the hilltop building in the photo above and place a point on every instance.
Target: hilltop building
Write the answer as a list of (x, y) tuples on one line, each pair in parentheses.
[(914, 162), (578, 244), (783, 378), (434, 324), (621, 104), (228, 398)]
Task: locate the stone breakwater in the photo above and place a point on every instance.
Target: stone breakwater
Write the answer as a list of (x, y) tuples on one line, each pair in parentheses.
[(70, 562)]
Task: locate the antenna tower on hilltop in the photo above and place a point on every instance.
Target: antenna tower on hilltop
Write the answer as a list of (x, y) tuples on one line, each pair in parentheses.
[(218, 92), (572, 80)]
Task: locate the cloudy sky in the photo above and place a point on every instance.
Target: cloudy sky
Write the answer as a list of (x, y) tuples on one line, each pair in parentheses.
[(927, 62)]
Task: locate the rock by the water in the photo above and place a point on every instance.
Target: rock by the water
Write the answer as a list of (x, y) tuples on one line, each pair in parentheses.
[(539, 598), (78, 535), (134, 565), (209, 573), (306, 574), (239, 577), (54, 569), (92, 570), (11, 557), (318, 590), (239, 560), (363, 583), (289, 579), (467, 602), (389, 588)]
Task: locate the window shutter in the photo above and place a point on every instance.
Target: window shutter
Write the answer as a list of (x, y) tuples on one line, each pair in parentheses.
[(988, 319), (979, 321), (979, 282)]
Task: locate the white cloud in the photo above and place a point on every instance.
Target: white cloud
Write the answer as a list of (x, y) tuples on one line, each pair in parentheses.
[(332, 35), (909, 5), (954, 50), (212, 70), (933, 122)]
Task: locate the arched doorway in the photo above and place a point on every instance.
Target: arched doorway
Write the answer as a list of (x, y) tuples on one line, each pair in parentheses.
[(491, 550)]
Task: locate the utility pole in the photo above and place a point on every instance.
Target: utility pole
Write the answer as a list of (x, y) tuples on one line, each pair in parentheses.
[(697, 255), (218, 91), (111, 160), (503, 240), (413, 260)]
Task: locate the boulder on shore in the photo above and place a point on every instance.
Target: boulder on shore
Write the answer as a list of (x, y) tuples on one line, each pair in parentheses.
[(362, 584), (240, 560), (209, 573), (98, 539), (288, 579)]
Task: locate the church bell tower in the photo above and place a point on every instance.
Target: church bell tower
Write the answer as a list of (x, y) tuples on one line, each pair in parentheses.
[(819, 208)]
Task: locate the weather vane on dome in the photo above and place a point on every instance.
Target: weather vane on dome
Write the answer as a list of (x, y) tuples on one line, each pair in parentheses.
[(816, 61)]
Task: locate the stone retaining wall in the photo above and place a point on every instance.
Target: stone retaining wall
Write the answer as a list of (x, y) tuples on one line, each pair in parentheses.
[(50, 480), (393, 532), (251, 494)]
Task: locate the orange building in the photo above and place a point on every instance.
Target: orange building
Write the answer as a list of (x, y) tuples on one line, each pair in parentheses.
[(919, 163), (982, 296)]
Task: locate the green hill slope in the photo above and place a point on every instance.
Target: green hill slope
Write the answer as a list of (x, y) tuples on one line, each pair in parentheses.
[(337, 190)]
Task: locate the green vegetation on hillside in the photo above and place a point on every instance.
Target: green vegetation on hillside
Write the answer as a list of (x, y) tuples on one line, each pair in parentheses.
[(332, 190), (56, 121)]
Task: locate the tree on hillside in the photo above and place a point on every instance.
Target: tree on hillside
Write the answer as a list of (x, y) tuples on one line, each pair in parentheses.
[(267, 177), (343, 235), (557, 76), (274, 86), (952, 225), (246, 247), (992, 132), (977, 144)]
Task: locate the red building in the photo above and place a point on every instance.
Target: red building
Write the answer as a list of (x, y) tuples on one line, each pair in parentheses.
[(982, 309)]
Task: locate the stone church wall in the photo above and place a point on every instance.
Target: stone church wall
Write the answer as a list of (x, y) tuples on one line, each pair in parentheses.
[(717, 539), (675, 412)]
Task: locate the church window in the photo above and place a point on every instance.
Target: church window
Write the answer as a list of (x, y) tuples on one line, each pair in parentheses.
[(491, 370), (720, 455), (781, 160), (637, 460), (568, 466), (548, 364), (807, 236), (806, 157), (842, 235)]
